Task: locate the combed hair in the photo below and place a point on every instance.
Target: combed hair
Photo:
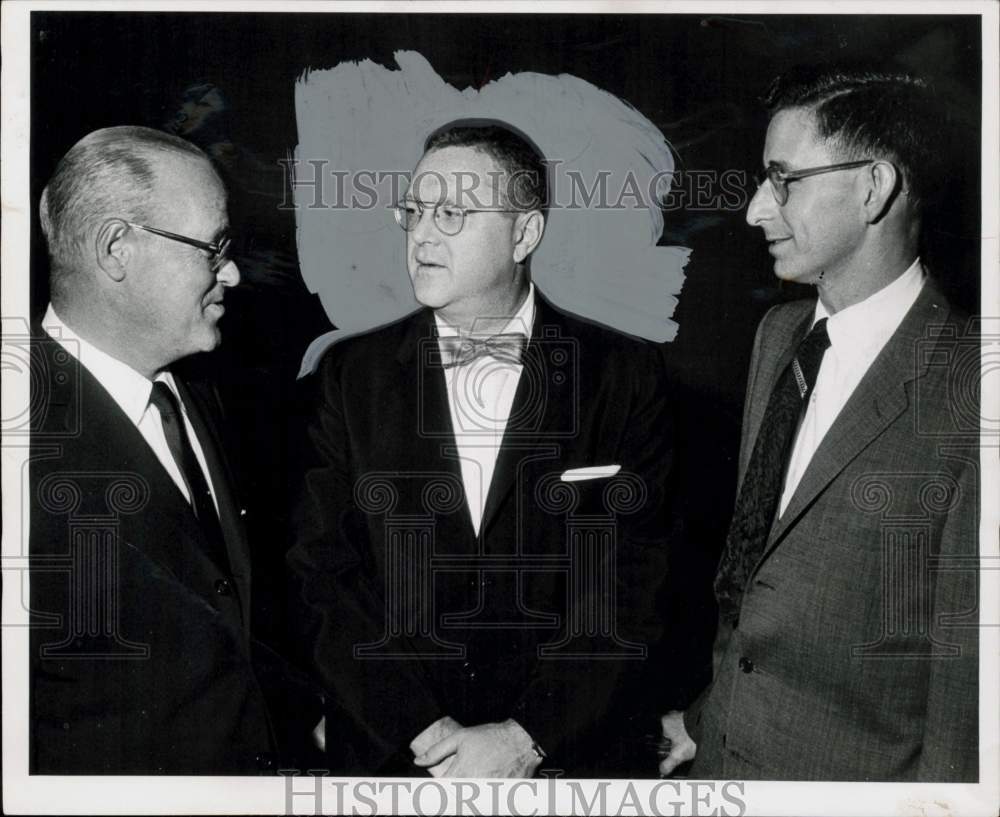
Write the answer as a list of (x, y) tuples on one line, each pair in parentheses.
[(870, 114), (517, 156), (107, 173)]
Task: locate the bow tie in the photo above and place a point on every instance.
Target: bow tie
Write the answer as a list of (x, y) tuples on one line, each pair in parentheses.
[(457, 350)]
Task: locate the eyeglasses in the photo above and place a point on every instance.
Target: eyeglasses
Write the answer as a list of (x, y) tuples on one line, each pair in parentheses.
[(448, 218), (219, 251), (779, 178)]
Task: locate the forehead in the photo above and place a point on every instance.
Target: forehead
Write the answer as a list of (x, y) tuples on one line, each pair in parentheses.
[(455, 172), (188, 189), (793, 142)]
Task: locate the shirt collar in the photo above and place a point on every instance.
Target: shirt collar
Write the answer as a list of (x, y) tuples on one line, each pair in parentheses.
[(520, 324), (871, 322), (129, 389)]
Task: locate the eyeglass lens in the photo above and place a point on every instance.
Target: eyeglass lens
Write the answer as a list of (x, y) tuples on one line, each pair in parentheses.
[(448, 218)]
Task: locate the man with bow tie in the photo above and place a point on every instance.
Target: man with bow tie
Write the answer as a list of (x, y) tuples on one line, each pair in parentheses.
[(142, 657), (481, 528)]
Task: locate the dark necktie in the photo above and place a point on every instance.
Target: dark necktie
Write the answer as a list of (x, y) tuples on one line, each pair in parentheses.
[(457, 350), (762, 484), (180, 448)]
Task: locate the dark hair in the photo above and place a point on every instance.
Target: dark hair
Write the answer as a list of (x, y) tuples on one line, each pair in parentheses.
[(867, 113), (108, 172), (527, 173)]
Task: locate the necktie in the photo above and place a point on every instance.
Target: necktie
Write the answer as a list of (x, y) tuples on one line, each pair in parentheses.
[(457, 350), (180, 448), (764, 478)]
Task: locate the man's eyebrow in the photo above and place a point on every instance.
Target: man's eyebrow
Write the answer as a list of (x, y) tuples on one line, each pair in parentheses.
[(408, 199)]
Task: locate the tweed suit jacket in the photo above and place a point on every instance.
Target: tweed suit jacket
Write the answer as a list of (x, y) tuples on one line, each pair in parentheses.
[(855, 652), (142, 658), (492, 637)]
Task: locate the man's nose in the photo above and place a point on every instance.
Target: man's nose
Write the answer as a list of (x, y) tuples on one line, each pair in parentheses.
[(762, 205), (425, 229), (228, 274)]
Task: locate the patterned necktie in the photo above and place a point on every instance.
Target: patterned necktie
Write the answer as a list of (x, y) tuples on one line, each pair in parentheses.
[(457, 350), (180, 448), (762, 484)]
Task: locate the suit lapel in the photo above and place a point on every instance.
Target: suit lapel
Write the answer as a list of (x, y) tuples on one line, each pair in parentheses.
[(202, 420), (431, 444), (543, 403), (786, 340), (166, 529), (879, 399)]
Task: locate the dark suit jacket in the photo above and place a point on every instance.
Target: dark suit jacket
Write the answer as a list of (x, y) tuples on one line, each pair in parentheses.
[(386, 553), (141, 654), (855, 653)]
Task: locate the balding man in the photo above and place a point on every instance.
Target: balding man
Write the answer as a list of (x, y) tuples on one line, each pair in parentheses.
[(141, 654)]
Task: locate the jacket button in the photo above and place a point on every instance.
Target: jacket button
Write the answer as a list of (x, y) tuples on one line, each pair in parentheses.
[(746, 664), (223, 588)]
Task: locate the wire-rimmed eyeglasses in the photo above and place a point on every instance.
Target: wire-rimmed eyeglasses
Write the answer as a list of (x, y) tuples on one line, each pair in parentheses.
[(779, 178), (448, 218), (218, 251)]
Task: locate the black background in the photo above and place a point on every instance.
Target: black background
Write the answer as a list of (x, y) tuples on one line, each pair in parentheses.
[(698, 78)]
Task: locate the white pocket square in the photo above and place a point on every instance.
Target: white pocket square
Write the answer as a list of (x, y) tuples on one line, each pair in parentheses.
[(590, 472)]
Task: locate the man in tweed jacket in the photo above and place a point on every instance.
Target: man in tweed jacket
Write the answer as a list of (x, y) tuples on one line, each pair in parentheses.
[(848, 643)]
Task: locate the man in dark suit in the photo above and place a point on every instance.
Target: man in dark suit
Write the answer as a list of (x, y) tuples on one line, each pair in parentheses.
[(141, 655), (481, 531), (848, 641)]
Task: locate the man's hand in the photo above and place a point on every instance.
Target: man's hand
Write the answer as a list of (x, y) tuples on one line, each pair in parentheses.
[(488, 750), (677, 742), (435, 733)]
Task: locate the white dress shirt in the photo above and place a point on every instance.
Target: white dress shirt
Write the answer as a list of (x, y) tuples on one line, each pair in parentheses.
[(480, 397), (857, 335), (131, 391)]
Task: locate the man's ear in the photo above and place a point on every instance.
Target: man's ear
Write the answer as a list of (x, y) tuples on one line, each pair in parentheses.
[(112, 249), (883, 181), (528, 229)]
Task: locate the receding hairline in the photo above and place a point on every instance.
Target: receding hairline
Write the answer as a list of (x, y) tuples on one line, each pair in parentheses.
[(144, 144), (136, 136), (497, 173)]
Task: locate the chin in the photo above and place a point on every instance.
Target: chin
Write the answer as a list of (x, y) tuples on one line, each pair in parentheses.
[(210, 340), (792, 274), (429, 296)]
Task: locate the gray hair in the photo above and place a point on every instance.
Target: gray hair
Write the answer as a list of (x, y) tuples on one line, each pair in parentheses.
[(109, 172)]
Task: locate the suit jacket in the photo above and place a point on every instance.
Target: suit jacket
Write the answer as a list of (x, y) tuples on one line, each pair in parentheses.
[(545, 617), (141, 654), (855, 652)]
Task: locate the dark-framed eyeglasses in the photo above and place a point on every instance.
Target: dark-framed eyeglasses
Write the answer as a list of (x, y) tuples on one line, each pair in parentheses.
[(779, 178), (219, 251), (448, 218)]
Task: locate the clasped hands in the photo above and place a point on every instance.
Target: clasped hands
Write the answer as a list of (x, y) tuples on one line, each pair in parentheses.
[(447, 749)]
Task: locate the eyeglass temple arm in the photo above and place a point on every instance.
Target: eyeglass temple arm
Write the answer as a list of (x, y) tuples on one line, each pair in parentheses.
[(791, 175)]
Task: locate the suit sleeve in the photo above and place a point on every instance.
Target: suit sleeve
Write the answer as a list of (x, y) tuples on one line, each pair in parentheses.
[(692, 715), (570, 700), (337, 602), (951, 736)]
